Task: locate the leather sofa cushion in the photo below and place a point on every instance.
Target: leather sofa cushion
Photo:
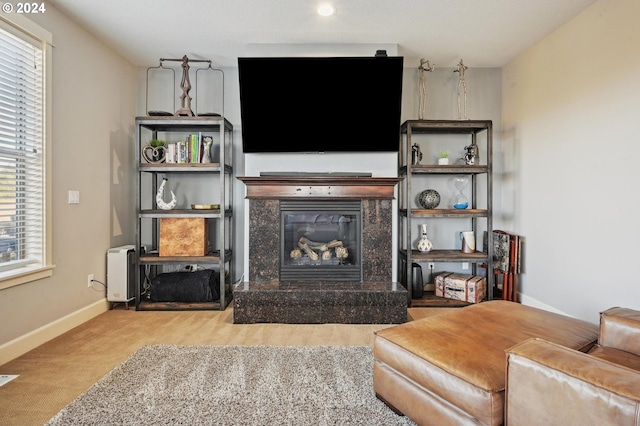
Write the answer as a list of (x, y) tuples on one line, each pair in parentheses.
[(549, 384), (460, 355), (616, 356), (620, 329)]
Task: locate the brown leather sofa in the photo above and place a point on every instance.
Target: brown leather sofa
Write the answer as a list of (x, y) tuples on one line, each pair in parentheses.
[(450, 369), (549, 384)]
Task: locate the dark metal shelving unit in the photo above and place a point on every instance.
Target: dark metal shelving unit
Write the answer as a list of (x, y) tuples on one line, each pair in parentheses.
[(220, 174), (425, 132)]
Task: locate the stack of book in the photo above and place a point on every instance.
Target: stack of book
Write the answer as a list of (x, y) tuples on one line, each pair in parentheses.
[(189, 150)]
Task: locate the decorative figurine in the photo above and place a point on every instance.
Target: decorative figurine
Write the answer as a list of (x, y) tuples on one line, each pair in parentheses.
[(462, 84), (472, 157), (206, 155), (416, 154), (162, 205), (154, 152), (185, 85), (423, 86)]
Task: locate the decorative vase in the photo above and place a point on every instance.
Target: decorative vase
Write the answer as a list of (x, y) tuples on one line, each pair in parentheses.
[(443, 161), (424, 245), (429, 199)]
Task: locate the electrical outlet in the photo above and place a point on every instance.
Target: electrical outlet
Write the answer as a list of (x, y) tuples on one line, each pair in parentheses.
[(90, 280), (465, 265), (432, 265)]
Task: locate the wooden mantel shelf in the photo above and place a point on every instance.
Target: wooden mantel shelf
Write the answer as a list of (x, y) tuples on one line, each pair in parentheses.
[(282, 187)]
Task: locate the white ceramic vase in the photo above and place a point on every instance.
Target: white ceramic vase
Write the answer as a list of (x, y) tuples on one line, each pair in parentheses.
[(424, 245)]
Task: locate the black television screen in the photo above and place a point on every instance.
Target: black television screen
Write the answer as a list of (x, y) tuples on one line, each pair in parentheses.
[(320, 104)]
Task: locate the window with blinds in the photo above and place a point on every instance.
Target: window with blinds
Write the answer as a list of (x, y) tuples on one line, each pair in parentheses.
[(22, 160)]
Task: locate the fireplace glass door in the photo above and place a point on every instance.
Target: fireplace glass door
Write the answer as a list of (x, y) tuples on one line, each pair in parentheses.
[(320, 240)]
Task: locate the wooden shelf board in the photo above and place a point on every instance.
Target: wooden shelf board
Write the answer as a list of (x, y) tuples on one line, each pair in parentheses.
[(155, 259), (460, 213), (182, 306), (446, 256), (446, 126), (184, 213), (182, 167), (430, 300)]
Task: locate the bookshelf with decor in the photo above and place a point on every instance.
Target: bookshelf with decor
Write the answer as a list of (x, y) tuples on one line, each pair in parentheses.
[(187, 233), (456, 201)]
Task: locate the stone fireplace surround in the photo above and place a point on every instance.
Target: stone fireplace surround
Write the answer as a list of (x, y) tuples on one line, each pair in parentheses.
[(264, 298)]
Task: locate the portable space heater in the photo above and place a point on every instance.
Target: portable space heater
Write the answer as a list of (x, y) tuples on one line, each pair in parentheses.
[(121, 279)]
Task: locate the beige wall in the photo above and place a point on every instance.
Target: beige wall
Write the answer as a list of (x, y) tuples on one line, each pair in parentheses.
[(571, 135), (93, 114)]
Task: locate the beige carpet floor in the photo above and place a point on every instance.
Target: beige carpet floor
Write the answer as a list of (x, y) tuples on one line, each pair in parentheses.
[(55, 373)]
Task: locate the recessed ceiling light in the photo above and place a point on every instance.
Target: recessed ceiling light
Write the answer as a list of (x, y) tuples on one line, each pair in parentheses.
[(326, 10)]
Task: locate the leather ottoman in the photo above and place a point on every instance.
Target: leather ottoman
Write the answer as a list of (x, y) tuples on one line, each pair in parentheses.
[(450, 369)]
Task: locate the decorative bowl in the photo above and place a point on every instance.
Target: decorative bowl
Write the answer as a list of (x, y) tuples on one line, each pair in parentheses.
[(205, 206)]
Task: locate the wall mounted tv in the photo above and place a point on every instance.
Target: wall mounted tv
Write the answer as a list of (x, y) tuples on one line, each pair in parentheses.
[(320, 104)]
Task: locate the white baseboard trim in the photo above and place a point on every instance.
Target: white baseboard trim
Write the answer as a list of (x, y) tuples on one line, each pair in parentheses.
[(25, 343), (535, 303)]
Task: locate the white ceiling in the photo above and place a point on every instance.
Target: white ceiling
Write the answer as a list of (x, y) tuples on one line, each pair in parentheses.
[(484, 33)]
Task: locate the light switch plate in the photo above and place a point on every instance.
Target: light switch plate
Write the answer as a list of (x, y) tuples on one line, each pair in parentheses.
[(74, 197)]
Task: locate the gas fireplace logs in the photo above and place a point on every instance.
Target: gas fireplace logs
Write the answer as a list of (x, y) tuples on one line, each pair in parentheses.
[(312, 248)]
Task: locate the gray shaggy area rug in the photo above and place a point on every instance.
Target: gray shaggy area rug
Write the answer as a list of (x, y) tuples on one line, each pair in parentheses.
[(235, 385)]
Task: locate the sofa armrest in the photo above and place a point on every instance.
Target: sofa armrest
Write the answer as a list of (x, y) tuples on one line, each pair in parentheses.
[(549, 384), (620, 329)]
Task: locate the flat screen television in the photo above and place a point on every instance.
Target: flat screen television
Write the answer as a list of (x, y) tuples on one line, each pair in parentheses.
[(320, 104)]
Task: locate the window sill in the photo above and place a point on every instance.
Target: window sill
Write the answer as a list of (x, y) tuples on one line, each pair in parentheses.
[(24, 275)]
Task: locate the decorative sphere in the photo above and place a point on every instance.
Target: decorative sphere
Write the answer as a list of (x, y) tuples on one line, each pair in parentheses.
[(429, 199)]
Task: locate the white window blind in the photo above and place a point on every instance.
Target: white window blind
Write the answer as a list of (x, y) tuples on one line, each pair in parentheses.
[(22, 182)]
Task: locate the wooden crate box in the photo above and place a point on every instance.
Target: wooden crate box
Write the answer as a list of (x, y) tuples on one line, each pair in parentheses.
[(183, 237), (467, 288), (439, 283)]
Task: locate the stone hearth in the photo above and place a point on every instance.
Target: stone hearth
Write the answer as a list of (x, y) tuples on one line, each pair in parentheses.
[(320, 303), (266, 298)]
